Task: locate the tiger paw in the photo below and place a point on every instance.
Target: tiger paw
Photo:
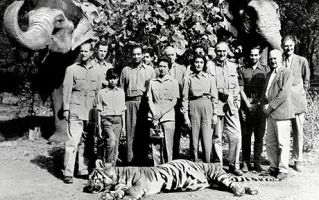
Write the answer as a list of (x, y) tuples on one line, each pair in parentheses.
[(251, 191), (239, 189), (110, 195)]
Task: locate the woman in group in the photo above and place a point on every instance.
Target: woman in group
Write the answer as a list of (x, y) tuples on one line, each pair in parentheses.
[(162, 95), (198, 105)]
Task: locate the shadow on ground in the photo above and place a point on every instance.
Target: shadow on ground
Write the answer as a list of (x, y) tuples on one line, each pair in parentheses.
[(53, 163), (19, 127)]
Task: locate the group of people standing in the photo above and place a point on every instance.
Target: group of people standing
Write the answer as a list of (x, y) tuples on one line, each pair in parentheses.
[(209, 97)]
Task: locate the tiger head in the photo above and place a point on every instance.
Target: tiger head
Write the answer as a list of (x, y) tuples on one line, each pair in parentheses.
[(102, 178)]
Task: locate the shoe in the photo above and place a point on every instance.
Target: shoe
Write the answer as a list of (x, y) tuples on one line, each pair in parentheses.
[(297, 166), (282, 176), (258, 168), (269, 172), (244, 168), (236, 172), (68, 179)]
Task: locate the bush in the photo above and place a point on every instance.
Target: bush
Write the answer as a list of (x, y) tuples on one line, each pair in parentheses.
[(311, 125), (158, 23)]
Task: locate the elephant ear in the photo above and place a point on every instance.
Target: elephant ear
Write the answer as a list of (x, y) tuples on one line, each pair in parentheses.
[(84, 30), (82, 33)]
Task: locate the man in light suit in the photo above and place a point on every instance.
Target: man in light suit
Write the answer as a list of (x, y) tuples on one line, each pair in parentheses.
[(299, 66), (279, 108)]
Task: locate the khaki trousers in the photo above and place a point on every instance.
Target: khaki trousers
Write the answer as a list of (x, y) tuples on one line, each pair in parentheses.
[(231, 124), (277, 143), (200, 111), (74, 147), (297, 129)]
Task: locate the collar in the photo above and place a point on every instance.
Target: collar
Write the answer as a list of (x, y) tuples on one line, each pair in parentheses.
[(114, 89), (288, 58), (88, 65), (199, 74), (165, 78), (139, 66), (255, 66), (220, 64), (277, 69), (103, 62)]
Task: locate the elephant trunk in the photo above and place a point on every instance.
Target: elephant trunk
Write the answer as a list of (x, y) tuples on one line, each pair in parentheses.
[(36, 37)]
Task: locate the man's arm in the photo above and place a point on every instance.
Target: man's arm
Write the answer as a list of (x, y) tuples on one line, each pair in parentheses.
[(305, 74), (283, 93), (67, 91)]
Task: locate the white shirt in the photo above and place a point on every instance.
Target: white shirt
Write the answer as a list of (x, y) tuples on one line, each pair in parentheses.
[(271, 80)]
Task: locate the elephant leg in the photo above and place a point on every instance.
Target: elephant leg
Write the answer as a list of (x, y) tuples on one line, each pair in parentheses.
[(61, 125)]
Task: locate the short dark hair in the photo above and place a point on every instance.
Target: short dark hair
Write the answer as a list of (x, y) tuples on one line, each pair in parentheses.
[(112, 73), (165, 59), (201, 47), (136, 46), (257, 48), (101, 43), (149, 50)]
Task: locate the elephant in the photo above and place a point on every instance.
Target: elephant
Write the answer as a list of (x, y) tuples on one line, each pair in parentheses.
[(255, 22), (56, 28), (60, 26)]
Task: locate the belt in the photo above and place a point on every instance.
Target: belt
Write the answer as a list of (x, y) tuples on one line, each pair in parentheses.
[(198, 97), (136, 98), (254, 95), (108, 116)]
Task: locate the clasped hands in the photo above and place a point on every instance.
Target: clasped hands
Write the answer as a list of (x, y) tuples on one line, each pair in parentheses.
[(252, 108), (267, 109)]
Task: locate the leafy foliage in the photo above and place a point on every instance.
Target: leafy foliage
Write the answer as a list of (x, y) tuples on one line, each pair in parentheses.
[(301, 19), (158, 23)]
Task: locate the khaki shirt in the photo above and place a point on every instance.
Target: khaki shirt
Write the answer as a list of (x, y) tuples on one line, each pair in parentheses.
[(178, 72), (134, 80), (80, 86), (111, 101), (162, 92), (225, 76), (197, 85), (103, 67)]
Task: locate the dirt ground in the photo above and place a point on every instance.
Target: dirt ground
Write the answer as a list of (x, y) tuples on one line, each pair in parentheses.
[(32, 170)]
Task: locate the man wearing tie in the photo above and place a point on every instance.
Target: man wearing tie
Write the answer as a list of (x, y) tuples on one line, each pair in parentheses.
[(278, 106), (299, 66)]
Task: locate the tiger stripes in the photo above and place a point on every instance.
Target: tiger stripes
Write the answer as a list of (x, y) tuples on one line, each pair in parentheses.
[(177, 175)]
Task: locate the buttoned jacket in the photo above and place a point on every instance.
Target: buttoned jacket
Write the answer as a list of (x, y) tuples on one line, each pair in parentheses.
[(278, 96), (225, 76), (299, 67), (80, 87), (178, 72)]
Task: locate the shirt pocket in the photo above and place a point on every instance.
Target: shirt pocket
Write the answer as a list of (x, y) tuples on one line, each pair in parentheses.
[(94, 84), (168, 92), (79, 83), (75, 103), (233, 80)]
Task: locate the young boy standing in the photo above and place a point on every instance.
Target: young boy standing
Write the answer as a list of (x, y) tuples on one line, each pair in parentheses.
[(111, 107)]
